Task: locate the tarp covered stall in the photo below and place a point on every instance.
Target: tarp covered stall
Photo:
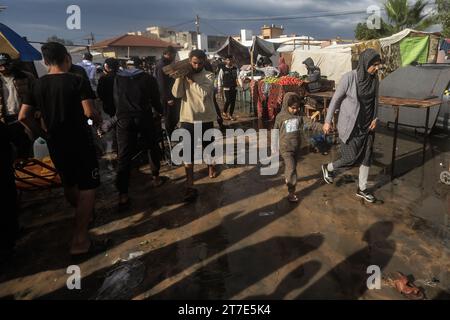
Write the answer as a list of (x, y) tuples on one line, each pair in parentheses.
[(16, 46), (416, 82), (263, 48), (240, 52), (333, 63)]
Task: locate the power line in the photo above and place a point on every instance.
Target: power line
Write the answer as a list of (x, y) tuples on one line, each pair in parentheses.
[(317, 14), (181, 24), (214, 28)]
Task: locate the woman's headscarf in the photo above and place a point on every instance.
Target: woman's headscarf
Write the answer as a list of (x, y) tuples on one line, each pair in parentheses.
[(367, 83)]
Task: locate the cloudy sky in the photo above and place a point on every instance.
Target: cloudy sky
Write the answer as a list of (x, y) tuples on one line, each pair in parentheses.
[(39, 19)]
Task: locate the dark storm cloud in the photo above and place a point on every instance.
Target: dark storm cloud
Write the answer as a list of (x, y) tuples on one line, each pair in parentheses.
[(38, 19)]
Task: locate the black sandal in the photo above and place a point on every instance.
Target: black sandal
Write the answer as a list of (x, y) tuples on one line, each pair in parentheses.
[(96, 247), (190, 195)]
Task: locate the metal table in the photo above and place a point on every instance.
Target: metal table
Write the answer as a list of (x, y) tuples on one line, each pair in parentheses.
[(396, 103)]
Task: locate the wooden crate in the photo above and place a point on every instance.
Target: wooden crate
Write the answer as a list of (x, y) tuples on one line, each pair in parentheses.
[(178, 69)]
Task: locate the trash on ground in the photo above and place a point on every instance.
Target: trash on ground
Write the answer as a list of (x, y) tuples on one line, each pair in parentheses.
[(266, 214), (120, 282)]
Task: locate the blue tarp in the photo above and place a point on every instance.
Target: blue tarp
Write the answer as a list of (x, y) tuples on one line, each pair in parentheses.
[(26, 50)]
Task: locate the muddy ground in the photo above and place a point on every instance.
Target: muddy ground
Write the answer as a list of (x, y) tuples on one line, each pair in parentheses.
[(242, 240)]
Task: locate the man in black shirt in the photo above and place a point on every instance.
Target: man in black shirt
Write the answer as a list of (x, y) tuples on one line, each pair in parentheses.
[(171, 105), (135, 94), (106, 85), (227, 84), (65, 101)]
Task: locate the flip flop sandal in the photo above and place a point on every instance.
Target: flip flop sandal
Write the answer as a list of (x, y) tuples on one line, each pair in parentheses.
[(408, 290), (124, 205), (95, 249), (157, 185), (190, 195), (293, 199)]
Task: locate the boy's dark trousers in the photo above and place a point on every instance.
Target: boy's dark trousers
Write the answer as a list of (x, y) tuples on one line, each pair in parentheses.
[(230, 100), (290, 169), (128, 130)]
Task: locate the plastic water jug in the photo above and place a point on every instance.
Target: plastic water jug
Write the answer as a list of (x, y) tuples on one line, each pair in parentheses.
[(40, 149)]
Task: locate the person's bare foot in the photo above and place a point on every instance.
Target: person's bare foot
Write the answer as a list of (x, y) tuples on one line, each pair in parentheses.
[(80, 247), (292, 198), (157, 181), (225, 116), (212, 172), (232, 118)]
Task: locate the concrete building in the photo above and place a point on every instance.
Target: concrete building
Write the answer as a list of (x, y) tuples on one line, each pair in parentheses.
[(185, 39), (272, 31), (129, 45)]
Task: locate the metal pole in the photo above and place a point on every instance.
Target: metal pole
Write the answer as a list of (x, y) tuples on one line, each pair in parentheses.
[(253, 80), (394, 147)]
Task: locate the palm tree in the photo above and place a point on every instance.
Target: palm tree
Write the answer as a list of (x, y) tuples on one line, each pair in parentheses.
[(403, 16)]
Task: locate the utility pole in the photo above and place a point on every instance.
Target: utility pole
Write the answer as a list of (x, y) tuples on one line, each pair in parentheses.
[(90, 39), (197, 24)]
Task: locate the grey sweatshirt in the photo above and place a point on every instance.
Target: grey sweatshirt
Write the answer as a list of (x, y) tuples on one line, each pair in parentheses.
[(290, 127)]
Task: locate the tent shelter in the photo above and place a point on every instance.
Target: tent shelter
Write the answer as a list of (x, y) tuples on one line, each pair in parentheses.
[(240, 52), (263, 48), (398, 50), (333, 63)]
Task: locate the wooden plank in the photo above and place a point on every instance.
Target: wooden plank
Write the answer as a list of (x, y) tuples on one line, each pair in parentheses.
[(414, 103), (178, 69), (324, 94)]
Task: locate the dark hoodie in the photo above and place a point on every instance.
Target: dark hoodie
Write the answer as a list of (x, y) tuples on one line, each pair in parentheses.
[(135, 93), (313, 75), (290, 127)]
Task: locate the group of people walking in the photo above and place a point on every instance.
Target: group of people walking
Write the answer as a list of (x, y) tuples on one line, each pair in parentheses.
[(60, 107)]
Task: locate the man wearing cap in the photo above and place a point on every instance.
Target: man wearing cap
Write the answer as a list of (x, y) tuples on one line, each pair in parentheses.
[(15, 86), (135, 94), (90, 69)]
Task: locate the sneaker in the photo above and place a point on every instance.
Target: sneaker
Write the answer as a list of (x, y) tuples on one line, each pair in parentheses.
[(366, 195), (293, 198), (327, 175)]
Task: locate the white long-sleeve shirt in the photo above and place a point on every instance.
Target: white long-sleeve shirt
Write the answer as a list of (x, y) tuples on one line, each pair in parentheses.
[(91, 71)]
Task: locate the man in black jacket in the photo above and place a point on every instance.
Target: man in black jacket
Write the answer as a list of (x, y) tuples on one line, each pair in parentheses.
[(171, 105), (135, 93), (9, 226), (106, 85)]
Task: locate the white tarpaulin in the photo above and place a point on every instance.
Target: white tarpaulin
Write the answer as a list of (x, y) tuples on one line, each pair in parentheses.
[(333, 63)]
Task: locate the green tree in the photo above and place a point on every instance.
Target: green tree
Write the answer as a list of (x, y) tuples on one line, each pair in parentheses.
[(443, 16), (401, 16), (362, 32), (65, 42)]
